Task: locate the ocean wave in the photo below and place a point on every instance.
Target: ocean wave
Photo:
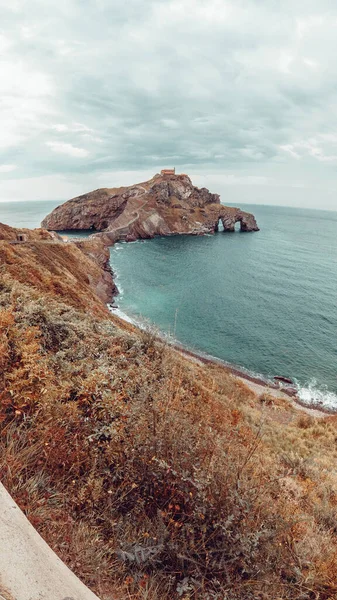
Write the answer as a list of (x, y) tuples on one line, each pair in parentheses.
[(144, 324), (119, 287), (119, 313), (314, 394)]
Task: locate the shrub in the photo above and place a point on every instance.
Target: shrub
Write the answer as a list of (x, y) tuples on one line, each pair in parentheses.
[(143, 473)]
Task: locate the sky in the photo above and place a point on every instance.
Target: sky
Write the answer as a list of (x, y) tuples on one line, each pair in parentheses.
[(241, 95)]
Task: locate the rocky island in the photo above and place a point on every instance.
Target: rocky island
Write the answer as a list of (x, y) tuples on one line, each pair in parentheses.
[(167, 204)]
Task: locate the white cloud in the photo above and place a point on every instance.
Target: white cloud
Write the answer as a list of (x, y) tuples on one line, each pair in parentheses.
[(73, 128), (92, 138), (28, 32), (60, 127), (285, 62), (251, 152), (170, 123), (14, 5), (307, 24), (4, 43), (17, 79), (322, 147), (25, 100), (223, 85), (80, 127), (290, 149), (69, 149), (7, 168), (313, 64)]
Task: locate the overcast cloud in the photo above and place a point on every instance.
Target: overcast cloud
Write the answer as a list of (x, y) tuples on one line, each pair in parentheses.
[(242, 95)]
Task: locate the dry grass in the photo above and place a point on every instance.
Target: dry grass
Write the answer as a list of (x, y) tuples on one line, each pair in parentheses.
[(154, 477)]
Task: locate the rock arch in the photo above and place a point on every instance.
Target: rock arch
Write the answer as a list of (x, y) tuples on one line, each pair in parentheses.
[(230, 216)]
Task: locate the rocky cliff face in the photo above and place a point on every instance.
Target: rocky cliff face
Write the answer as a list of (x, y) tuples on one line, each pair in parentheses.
[(165, 205)]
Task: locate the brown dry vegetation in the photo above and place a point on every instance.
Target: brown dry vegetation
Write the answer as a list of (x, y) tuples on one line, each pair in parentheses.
[(151, 476), (72, 271), (11, 234)]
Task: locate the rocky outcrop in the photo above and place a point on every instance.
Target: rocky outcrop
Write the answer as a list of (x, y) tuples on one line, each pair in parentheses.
[(101, 280), (230, 216), (166, 205)]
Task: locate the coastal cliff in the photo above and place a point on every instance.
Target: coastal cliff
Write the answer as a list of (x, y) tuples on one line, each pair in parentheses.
[(77, 271), (167, 204)]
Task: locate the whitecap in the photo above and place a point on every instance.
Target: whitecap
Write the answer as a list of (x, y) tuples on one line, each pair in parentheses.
[(314, 394), (119, 313)]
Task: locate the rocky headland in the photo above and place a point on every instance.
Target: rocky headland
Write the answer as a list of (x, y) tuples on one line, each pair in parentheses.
[(167, 204)]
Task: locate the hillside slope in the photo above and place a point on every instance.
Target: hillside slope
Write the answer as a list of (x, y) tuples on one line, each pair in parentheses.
[(12, 234), (78, 271), (151, 475)]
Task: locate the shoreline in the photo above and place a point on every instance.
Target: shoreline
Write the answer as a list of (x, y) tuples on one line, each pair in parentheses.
[(256, 383)]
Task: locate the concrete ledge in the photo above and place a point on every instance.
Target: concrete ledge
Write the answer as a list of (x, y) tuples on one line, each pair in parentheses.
[(29, 569)]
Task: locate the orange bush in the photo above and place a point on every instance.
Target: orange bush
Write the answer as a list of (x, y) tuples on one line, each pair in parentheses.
[(144, 471)]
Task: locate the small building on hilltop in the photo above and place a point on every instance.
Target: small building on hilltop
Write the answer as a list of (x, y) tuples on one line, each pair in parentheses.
[(168, 172), (21, 237)]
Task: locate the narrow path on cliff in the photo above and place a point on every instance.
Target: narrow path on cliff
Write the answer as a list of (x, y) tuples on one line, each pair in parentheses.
[(121, 227)]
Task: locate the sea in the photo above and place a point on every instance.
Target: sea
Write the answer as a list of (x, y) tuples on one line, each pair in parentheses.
[(265, 302)]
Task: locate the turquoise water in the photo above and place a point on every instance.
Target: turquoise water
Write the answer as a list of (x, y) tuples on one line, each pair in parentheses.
[(264, 301)]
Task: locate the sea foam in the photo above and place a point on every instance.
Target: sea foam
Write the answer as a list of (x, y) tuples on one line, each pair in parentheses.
[(119, 313), (314, 395)]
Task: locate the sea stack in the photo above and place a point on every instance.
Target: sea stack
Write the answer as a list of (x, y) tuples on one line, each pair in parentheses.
[(167, 204)]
